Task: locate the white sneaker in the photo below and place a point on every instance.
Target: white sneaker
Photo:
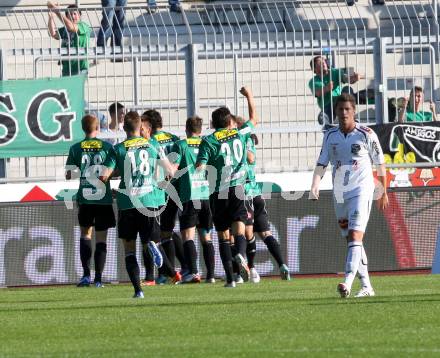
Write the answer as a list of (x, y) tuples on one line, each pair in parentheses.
[(365, 292), (343, 290), (238, 279), (254, 277), (230, 284)]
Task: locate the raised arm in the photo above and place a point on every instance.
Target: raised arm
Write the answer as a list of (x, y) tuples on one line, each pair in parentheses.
[(68, 23), (253, 116), (51, 27)]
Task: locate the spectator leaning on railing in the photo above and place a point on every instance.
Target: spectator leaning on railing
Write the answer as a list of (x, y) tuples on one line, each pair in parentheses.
[(412, 108), (329, 83), (74, 34)]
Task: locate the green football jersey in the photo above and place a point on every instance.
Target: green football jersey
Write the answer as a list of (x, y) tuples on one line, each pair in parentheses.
[(193, 185), (317, 83), (136, 159), (89, 156), (420, 116), (225, 151), (166, 140), (252, 188), (76, 40)]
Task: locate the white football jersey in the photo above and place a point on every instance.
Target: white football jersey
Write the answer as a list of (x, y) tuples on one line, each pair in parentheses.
[(351, 156)]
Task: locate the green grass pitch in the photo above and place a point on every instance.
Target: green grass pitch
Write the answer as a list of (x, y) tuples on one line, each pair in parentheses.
[(274, 318)]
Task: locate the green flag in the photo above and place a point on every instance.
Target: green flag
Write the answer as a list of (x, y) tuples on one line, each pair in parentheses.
[(40, 117)]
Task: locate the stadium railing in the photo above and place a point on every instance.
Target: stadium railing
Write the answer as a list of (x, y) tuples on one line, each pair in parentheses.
[(196, 60)]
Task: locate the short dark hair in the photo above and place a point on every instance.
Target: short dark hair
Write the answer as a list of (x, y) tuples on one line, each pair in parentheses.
[(114, 107), (89, 123), (154, 117), (194, 124), (345, 97), (314, 59), (221, 117), (132, 121), (70, 8), (417, 89)]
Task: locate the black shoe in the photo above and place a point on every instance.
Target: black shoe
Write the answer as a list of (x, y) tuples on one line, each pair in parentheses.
[(175, 8)]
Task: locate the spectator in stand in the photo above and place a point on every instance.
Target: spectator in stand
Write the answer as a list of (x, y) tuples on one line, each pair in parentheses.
[(113, 16), (117, 113), (328, 84), (116, 124), (74, 34), (412, 108)]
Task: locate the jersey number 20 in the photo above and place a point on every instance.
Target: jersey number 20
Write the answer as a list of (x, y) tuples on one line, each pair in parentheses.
[(237, 149)]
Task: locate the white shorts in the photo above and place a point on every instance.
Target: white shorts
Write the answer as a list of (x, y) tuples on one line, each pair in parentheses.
[(353, 213)]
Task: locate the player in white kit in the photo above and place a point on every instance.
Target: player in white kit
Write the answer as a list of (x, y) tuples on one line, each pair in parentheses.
[(352, 149)]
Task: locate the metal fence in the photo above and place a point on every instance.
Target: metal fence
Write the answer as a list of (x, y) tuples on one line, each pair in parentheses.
[(193, 61)]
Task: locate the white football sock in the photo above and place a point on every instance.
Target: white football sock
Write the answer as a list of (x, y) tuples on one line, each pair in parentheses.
[(354, 256), (363, 271)]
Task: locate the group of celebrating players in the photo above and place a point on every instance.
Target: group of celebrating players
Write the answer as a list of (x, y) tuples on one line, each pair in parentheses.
[(211, 179), (201, 180)]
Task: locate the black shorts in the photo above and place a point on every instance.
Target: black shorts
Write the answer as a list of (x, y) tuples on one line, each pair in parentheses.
[(132, 222), (192, 217), (228, 207), (102, 217), (168, 216), (261, 219)]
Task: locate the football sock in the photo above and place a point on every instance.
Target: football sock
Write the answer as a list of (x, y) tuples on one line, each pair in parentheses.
[(167, 269), (226, 256), (85, 253), (149, 264), (99, 257), (240, 244), (274, 248), (170, 250), (209, 258), (179, 251), (234, 252), (353, 260), (132, 267), (363, 270), (189, 248), (251, 250)]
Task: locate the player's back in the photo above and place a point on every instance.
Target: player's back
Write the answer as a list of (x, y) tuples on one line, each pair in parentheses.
[(225, 150), (136, 158), (88, 156), (165, 140), (193, 184)]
